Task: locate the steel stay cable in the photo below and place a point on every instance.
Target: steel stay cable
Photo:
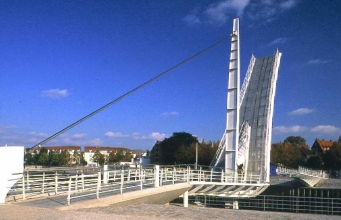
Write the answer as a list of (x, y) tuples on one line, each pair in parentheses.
[(130, 92)]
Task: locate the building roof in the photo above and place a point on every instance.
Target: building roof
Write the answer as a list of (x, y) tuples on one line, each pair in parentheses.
[(108, 149), (324, 145), (62, 147)]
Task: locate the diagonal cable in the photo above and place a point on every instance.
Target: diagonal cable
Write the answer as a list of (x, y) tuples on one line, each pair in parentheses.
[(129, 93)]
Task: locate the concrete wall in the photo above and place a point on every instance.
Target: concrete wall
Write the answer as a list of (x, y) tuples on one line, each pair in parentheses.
[(160, 195), (11, 162)]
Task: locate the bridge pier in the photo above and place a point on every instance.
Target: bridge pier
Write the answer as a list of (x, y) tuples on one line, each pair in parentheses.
[(185, 195)]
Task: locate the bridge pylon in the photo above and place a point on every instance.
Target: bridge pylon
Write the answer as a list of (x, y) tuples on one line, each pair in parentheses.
[(246, 142)]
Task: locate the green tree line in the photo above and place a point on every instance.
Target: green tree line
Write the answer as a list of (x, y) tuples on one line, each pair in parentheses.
[(112, 158), (290, 153), (45, 158), (180, 148)]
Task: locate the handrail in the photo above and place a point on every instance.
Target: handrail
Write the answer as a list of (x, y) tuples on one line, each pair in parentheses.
[(106, 182)]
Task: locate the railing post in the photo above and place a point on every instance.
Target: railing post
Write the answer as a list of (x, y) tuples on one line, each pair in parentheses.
[(76, 181), (332, 205), (135, 174), (23, 187), (161, 176), (128, 177), (28, 180), (156, 176), (69, 192), (222, 175), (264, 202), (42, 190), (141, 181), (98, 184), (122, 180), (56, 183), (188, 173), (105, 174), (200, 174), (211, 174), (82, 180)]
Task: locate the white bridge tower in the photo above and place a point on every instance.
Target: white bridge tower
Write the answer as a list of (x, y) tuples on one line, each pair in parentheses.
[(246, 142)]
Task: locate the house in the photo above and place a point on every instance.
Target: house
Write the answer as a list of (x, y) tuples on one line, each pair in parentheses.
[(321, 146), (58, 150), (89, 152)]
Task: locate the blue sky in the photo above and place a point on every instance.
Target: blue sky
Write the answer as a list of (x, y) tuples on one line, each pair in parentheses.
[(61, 60)]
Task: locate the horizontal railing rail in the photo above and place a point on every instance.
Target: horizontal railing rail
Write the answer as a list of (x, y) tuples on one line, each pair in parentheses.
[(296, 204), (80, 183)]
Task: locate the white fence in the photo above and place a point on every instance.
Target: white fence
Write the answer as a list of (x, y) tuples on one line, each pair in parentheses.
[(95, 183), (302, 171)]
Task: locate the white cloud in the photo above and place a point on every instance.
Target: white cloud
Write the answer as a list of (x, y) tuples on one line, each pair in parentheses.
[(115, 134), (96, 142), (318, 61), (55, 93), (78, 136), (265, 11), (288, 4), (6, 128), (280, 40), (151, 136), (290, 129), (325, 129), (302, 111), (156, 136), (170, 113), (35, 134), (219, 13), (193, 18), (319, 129)]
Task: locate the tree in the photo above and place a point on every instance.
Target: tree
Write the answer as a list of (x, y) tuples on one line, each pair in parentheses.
[(76, 156), (185, 154), (50, 157), (287, 154), (207, 152), (332, 158), (169, 148), (128, 155), (314, 162), (65, 158), (98, 158), (43, 159), (29, 159), (295, 140), (55, 159), (112, 158), (83, 162), (120, 155)]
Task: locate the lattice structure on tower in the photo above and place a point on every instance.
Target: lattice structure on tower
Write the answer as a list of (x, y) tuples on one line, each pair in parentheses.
[(246, 142)]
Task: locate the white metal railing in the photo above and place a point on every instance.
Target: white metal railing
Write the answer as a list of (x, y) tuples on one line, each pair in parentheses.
[(246, 79), (79, 183), (218, 154), (302, 171), (295, 204)]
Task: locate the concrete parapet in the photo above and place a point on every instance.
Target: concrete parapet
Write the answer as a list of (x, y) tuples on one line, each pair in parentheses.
[(160, 195)]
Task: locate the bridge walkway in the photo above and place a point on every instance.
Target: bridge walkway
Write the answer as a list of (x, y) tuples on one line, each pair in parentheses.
[(66, 188)]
